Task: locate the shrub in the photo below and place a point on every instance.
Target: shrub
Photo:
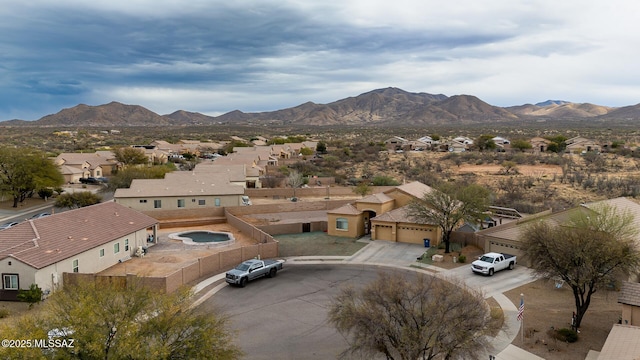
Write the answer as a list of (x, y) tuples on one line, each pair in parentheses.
[(462, 258), (566, 335), (4, 313)]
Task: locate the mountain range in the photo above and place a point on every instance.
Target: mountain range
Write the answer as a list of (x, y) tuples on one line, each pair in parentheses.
[(384, 107)]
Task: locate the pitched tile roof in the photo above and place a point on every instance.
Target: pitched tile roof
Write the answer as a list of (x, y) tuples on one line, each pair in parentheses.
[(399, 215), (48, 240), (415, 189), (345, 210), (629, 294), (181, 184), (379, 198), (623, 343)]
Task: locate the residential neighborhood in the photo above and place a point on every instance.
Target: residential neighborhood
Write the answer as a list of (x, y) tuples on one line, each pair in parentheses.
[(134, 233)]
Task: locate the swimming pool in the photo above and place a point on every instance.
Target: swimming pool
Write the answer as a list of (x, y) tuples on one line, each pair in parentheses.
[(204, 237)]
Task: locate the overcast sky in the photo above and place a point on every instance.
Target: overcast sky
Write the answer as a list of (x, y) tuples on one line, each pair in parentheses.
[(213, 56)]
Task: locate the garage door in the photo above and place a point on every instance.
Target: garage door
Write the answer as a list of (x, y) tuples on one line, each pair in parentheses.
[(383, 232), (414, 235), (495, 246)]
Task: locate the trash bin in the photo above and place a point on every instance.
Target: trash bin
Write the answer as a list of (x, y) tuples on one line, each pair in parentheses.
[(427, 243)]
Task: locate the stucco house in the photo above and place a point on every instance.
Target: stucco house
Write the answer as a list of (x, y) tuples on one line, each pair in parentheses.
[(180, 192), (383, 215), (506, 238), (74, 166), (539, 144), (578, 144), (85, 240)]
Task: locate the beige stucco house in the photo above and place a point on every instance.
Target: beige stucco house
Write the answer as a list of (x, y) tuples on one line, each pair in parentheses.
[(180, 192), (506, 238), (85, 240), (384, 216), (74, 166)]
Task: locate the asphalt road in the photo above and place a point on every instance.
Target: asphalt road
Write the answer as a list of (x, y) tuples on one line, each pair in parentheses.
[(286, 317)]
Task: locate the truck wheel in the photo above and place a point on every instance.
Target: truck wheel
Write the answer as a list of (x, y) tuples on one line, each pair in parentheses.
[(490, 272), (243, 282), (511, 266), (272, 272)]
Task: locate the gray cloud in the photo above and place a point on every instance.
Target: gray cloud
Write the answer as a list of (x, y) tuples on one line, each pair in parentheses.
[(213, 57)]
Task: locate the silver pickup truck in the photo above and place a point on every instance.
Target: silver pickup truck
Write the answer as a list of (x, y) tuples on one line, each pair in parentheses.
[(252, 269)]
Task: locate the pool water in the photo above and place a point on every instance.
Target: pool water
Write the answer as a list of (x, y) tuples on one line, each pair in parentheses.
[(206, 236)]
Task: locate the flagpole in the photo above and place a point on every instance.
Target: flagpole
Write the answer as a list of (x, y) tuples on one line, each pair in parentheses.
[(522, 320)]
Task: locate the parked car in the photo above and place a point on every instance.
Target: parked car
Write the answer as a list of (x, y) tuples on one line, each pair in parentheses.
[(89, 180), (39, 216), (492, 262), (252, 269), (8, 225)]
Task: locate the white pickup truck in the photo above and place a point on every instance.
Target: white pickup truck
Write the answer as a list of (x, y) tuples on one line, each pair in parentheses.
[(252, 269), (492, 262)]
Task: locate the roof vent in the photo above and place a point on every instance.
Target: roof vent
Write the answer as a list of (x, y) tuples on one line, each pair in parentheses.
[(68, 237)]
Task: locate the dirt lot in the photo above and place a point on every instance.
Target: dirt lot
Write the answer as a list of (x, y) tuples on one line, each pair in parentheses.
[(546, 307)]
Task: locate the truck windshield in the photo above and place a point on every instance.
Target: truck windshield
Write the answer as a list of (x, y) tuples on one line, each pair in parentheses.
[(242, 267), (488, 259)]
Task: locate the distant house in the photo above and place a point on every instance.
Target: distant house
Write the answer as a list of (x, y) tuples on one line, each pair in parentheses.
[(85, 240), (579, 144), (456, 146), (396, 143), (74, 166), (383, 215), (539, 144)]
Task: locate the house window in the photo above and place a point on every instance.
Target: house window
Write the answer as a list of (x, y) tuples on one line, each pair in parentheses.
[(10, 281), (98, 174), (143, 201), (101, 252), (157, 204), (201, 202), (342, 224), (217, 201), (116, 248), (75, 265), (180, 203), (126, 244)]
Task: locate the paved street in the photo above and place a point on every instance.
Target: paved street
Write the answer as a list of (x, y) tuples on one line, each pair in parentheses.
[(285, 317)]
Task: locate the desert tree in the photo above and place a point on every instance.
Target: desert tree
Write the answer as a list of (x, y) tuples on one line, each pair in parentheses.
[(412, 318), (295, 180), (448, 206), (485, 142), (25, 170), (362, 189), (521, 145), (127, 155), (77, 199), (108, 321), (590, 251)]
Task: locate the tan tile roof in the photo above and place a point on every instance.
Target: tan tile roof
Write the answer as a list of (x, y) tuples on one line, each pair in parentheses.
[(396, 215), (379, 198), (623, 343), (345, 210), (629, 294), (415, 189), (48, 240), (94, 159), (622, 204), (181, 184)]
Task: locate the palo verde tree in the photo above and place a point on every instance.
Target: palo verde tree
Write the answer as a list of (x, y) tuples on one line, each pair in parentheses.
[(412, 318), (107, 321), (449, 206), (593, 249), (24, 171)]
